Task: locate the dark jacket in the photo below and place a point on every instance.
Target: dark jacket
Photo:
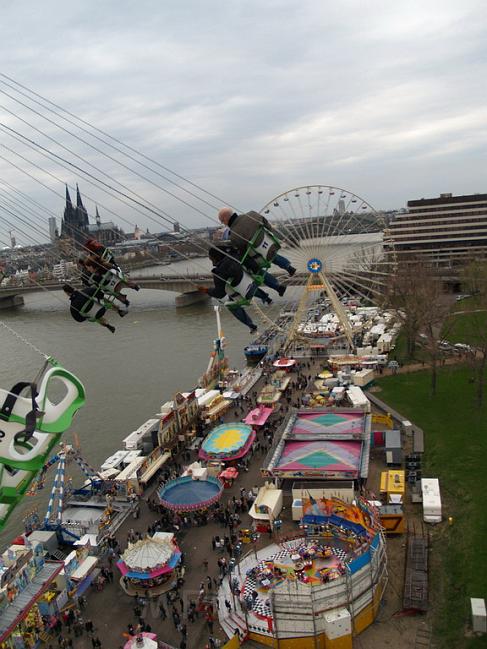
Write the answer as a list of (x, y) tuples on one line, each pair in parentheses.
[(83, 301), (243, 228), (226, 269)]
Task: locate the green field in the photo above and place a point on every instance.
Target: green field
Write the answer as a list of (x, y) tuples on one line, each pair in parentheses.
[(468, 324), (456, 452)]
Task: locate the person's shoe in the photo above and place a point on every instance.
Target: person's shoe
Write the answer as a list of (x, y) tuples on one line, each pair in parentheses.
[(253, 331), (291, 270), (268, 301), (281, 290), (136, 287), (122, 312), (111, 328)]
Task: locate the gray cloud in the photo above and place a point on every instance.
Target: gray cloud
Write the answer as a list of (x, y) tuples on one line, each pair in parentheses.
[(248, 99)]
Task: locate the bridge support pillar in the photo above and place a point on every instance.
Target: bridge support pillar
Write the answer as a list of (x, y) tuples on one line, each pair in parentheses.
[(193, 297), (11, 301)]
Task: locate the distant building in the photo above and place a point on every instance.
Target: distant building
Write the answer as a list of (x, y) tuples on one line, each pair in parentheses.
[(76, 227), (53, 233), (448, 230), (63, 270), (138, 232)]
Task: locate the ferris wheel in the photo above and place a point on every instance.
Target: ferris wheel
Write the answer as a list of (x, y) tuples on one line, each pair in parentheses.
[(337, 242)]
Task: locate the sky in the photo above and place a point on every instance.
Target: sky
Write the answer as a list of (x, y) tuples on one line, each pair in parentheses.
[(244, 99)]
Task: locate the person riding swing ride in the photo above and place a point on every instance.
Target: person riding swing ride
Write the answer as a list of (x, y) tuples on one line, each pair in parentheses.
[(106, 273), (233, 286), (253, 236), (89, 304), (107, 281)]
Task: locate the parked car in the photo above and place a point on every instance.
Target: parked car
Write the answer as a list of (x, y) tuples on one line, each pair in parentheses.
[(462, 347)]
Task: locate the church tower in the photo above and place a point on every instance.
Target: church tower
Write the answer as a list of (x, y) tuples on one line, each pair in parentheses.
[(74, 224)]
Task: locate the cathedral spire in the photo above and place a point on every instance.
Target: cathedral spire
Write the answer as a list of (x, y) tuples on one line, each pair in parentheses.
[(79, 202), (68, 198)]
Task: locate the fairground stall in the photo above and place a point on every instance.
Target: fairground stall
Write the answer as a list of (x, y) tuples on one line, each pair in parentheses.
[(258, 416), (266, 508), (30, 588)]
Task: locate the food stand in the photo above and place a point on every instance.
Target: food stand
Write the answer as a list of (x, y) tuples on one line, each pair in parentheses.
[(266, 507)]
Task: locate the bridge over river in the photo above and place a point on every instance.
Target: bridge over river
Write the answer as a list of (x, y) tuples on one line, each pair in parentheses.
[(185, 285)]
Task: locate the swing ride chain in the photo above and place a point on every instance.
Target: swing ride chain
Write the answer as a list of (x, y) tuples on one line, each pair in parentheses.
[(24, 340)]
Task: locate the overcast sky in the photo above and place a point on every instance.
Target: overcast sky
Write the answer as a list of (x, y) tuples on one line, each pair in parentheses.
[(248, 99)]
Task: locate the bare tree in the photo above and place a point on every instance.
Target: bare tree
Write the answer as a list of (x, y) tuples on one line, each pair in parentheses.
[(409, 293), (436, 323), (415, 292)]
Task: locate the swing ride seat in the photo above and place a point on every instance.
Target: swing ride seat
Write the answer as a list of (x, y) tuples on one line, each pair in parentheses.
[(100, 299), (107, 283), (234, 304), (18, 469), (262, 253), (21, 460), (241, 294)]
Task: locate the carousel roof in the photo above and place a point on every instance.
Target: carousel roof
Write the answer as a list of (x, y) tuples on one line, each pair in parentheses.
[(148, 553)]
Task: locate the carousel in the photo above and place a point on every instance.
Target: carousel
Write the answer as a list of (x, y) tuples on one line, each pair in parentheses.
[(148, 565), (142, 641), (187, 494), (338, 563)]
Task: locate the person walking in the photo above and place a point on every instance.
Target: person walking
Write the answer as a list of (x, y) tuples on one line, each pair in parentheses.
[(162, 611)]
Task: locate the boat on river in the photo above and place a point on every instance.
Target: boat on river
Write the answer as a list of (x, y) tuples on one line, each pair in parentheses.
[(255, 352)]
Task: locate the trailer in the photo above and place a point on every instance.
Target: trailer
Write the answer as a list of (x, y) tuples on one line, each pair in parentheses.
[(430, 488)]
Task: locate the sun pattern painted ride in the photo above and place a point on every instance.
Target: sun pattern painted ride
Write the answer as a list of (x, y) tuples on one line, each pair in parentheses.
[(227, 442)]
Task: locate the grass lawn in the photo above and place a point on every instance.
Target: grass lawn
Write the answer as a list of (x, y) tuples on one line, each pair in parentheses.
[(455, 452), (466, 326)]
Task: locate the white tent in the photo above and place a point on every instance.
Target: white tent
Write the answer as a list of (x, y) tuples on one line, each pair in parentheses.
[(148, 553)]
